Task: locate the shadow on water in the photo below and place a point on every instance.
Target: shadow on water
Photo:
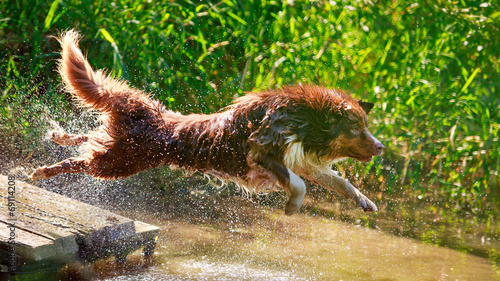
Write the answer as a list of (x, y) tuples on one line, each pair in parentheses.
[(408, 215), (210, 234)]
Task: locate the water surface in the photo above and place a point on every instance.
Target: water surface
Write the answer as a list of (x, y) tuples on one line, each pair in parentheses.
[(232, 238)]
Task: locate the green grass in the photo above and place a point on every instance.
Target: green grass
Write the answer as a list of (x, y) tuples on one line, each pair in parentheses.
[(431, 67)]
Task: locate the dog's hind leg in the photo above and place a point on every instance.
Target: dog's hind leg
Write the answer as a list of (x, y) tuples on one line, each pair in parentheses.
[(67, 139), (297, 189), (70, 165)]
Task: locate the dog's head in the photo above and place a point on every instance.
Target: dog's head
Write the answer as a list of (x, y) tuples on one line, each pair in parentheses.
[(330, 125), (311, 125), (351, 137)]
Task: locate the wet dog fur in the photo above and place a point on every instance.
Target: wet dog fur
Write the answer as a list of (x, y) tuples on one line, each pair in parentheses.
[(260, 141)]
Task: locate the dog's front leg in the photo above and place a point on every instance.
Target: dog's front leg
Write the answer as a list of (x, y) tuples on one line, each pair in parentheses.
[(297, 189), (332, 181)]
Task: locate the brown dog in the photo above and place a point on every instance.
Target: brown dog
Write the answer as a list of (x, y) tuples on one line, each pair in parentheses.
[(262, 140)]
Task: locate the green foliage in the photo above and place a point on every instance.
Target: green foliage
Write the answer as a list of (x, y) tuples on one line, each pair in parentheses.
[(432, 68)]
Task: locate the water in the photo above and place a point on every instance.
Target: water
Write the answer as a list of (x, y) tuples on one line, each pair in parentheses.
[(208, 237)]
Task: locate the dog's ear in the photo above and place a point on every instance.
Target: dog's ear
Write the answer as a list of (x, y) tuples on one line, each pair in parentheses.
[(366, 106)]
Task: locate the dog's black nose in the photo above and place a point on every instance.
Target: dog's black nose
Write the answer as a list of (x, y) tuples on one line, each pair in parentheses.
[(379, 146)]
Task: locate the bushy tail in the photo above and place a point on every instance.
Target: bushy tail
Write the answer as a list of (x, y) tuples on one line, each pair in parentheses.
[(93, 88)]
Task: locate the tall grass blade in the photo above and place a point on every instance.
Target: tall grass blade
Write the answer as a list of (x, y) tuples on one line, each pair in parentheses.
[(107, 36), (50, 15), (470, 79), (119, 68), (240, 20)]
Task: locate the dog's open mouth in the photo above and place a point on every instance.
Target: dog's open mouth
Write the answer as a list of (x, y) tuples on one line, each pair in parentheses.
[(360, 157)]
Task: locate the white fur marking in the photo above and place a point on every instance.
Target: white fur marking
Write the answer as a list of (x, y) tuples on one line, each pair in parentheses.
[(297, 190), (296, 159), (294, 154)]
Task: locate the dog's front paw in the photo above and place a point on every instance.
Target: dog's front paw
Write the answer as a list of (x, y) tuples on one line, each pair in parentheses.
[(39, 174), (291, 208), (366, 204)]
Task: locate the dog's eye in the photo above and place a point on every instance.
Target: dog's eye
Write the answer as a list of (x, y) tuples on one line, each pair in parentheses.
[(355, 128)]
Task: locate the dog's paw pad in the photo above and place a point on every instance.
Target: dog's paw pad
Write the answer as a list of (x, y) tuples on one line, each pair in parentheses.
[(39, 174)]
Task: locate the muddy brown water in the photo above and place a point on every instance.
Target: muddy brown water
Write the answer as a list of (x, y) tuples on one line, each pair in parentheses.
[(233, 238), (296, 248)]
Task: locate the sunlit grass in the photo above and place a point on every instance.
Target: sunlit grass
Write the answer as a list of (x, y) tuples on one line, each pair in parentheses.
[(431, 67)]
